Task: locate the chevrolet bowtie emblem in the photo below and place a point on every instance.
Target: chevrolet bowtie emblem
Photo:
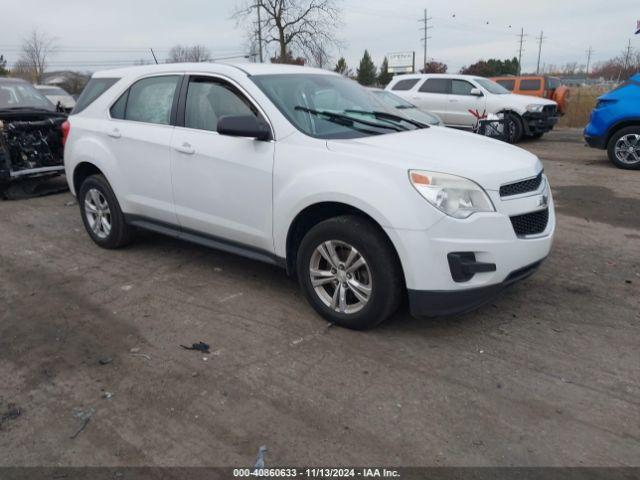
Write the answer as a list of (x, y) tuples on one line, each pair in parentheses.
[(543, 201)]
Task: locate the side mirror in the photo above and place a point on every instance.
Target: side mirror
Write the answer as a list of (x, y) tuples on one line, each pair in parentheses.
[(244, 126), (476, 92)]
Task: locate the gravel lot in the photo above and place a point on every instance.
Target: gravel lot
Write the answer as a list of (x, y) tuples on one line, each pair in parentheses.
[(548, 374)]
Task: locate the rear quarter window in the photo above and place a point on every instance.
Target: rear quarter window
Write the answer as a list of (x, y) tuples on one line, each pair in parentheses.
[(93, 90)]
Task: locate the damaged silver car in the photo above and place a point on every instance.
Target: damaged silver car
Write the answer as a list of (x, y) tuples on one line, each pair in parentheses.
[(31, 134)]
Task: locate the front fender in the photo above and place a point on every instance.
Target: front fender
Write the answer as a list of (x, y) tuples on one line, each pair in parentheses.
[(379, 189)]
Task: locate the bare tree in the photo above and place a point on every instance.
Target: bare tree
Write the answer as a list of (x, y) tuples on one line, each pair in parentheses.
[(195, 53), (319, 56), (306, 27), (37, 48)]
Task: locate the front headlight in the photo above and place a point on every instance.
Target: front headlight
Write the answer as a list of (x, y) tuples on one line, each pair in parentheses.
[(534, 108), (458, 197)]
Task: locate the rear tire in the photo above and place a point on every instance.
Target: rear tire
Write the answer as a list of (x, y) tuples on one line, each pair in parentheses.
[(101, 214), (514, 129), (624, 148), (349, 272)]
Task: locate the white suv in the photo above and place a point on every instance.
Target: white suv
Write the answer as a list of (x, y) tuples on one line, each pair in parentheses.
[(460, 99), (305, 169)]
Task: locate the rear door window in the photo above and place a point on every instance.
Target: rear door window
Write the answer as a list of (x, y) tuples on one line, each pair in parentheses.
[(92, 91), (436, 85), (407, 84), (149, 100), (530, 84)]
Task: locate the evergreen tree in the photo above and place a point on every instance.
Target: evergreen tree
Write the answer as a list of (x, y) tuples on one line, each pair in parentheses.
[(367, 70), (385, 76), (341, 67), (3, 67)]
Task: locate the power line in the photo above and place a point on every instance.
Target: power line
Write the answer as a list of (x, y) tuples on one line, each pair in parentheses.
[(540, 39), (425, 29)]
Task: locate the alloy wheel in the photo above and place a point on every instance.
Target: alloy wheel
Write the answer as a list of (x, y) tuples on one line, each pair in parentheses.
[(340, 276), (627, 149), (98, 213)]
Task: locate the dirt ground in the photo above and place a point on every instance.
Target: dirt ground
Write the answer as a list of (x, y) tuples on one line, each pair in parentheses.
[(548, 374)]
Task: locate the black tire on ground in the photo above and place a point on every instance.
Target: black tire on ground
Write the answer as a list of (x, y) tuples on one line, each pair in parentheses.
[(120, 233), (514, 129), (384, 274), (634, 142)]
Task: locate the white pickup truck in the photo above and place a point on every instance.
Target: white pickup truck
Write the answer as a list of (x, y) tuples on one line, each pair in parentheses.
[(460, 99)]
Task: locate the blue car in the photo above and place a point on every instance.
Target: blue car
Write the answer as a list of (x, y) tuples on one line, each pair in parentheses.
[(615, 124)]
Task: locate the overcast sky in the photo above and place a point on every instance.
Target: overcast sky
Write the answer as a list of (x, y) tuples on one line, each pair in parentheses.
[(95, 35)]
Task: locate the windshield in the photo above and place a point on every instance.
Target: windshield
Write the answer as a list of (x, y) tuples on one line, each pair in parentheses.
[(331, 106), (23, 95), (491, 86)]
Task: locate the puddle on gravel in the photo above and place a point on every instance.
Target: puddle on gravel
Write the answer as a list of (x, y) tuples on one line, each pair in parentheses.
[(598, 204)]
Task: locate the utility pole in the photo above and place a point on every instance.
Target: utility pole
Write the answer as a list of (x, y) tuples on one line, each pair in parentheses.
[(627, 55), (626, 61), (425, 29), (522, 35), (589, 53), (259, 7), (540, 39)]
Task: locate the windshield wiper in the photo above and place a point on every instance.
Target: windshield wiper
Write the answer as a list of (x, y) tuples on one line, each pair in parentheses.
[(16, 109), (390, 116), (347, 120)]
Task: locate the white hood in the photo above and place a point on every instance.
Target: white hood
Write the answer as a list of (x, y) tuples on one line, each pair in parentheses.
[(522, 101), (488, 162)]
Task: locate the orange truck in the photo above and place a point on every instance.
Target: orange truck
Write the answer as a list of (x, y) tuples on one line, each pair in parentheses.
[(537, 86)]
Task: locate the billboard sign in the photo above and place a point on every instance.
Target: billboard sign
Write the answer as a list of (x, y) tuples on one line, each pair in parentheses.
[(401, 62)]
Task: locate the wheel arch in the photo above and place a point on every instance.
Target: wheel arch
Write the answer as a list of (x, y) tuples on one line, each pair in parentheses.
[(315, 213), (628, 122), (81, 172)]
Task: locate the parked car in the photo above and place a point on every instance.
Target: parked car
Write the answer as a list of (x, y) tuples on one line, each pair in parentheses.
[(460, 100), (537, 86), (30, 133), (58, 96), (296, 167), (615, 124), (391, 100)]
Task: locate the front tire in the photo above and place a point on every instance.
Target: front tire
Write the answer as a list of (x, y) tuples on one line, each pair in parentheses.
[(349, 272), (624, 148), (101, 214), (514, 129)]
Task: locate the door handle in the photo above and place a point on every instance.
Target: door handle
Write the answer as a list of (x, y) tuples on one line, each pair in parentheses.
[(115, 133), (453, 100), (186, 148)]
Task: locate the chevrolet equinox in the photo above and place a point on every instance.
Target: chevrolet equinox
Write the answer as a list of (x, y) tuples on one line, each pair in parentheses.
[(305, 169)]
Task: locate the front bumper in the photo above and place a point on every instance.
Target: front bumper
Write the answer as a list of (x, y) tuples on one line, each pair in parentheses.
[(494, 254), (442, 303), (539, 122)]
